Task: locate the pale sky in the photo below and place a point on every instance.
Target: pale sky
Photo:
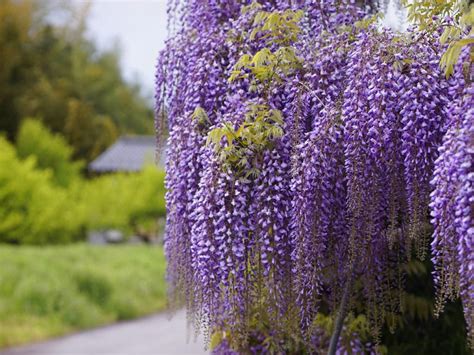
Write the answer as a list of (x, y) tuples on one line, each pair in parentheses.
[(139, 26)]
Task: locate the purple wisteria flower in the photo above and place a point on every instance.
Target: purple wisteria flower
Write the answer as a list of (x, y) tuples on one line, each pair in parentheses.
[(452, 210), (341, 197)]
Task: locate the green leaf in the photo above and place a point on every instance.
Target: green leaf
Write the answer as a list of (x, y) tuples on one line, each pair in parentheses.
[(451, 56), (216, 339), (200, 115), (254, 33)]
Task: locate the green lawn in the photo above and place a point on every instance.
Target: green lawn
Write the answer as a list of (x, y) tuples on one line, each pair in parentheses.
[(50, 291)]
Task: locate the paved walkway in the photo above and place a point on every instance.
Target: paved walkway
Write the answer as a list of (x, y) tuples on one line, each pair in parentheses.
[(156, 335)]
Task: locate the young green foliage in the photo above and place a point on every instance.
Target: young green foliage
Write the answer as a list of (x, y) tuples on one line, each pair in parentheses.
[(279, 28), (457, 19), (269, 65), (266, 66), (201, 118), (260, 128)]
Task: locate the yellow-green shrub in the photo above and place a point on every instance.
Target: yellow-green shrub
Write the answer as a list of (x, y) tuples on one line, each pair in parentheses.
[(33, 209), (50, 150), (124, 201)]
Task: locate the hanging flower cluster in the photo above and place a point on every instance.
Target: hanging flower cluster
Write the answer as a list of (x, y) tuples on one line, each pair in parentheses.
[(452, 210), (302, 141)]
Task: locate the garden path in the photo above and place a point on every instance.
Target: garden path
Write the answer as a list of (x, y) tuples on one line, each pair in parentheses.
[(153, 335)]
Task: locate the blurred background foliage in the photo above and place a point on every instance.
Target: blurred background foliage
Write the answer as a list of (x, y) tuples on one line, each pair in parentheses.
[(51, 151), (54, 73), (54, 290), (418, 330), (44, 198), (63, 101)]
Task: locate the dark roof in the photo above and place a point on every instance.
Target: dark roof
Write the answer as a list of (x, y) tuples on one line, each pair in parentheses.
[(129, 153)]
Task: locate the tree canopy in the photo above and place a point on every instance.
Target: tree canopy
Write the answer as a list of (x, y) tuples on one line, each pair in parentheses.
[(54, 73)]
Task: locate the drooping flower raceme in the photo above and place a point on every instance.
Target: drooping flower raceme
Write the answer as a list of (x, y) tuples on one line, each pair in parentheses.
[(452, 210), (300, 153)]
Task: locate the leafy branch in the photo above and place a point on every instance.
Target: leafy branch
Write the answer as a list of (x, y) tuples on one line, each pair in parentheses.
[(235, 145), (239, 147), (457, 19)]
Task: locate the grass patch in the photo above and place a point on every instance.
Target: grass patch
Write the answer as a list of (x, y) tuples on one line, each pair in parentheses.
[(51, 291)]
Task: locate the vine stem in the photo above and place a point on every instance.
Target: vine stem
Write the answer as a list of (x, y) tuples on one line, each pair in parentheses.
[(342, 313)]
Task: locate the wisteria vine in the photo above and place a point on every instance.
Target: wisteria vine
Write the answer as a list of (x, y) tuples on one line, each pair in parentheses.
[(307, 148)]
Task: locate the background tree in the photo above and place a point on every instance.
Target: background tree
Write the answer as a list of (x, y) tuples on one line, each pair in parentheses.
[(54, 73), (15, 23)]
